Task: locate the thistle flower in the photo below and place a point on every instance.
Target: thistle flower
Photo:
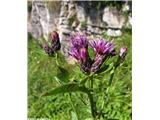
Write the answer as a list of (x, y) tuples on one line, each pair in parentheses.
[(79, 47), (79, 50), (103, 50), (101, 47), (123, 52)]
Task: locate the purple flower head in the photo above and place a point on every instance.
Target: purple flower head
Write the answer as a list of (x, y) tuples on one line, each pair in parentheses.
[(101, 47), (79, 50), (123, 52), (81, 55), (79, 41)]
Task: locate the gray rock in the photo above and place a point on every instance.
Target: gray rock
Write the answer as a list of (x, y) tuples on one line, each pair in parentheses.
[(65, 31), (81, 15), (113, 18), (64, 27), (71, 7), (39, 20), (63, 13), (114, 33), (71, 14), (74, 24)]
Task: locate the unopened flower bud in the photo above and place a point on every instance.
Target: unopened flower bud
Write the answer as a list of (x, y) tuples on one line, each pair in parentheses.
[(54, 36), (123, 52), (55, 42)]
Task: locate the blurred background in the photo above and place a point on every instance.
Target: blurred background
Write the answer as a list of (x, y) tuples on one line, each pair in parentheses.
[(92, 17)]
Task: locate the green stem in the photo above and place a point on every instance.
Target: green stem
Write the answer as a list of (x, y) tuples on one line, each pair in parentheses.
[(111, 78), (56, 56), (73, 106), (117, 64), (90, 95), (92, 104)]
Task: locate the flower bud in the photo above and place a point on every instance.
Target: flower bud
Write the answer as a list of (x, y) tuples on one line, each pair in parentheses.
[(123, 52), (55, 42), (54, 37)]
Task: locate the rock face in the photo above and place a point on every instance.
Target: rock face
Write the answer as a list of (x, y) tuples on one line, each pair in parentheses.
[(67, 11), (74, 16), (39, 20), (113, 18), (81, 15)]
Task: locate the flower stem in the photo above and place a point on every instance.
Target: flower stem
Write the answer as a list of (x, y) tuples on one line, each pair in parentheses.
[(75, 110), (92, 103), (111, 78), (56, 56)]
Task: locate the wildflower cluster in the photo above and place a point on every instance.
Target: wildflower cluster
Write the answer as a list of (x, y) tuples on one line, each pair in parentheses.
[(103, 50)]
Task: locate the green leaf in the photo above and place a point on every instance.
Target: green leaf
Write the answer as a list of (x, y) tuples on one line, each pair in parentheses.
[(91, 53), (67, 88)]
